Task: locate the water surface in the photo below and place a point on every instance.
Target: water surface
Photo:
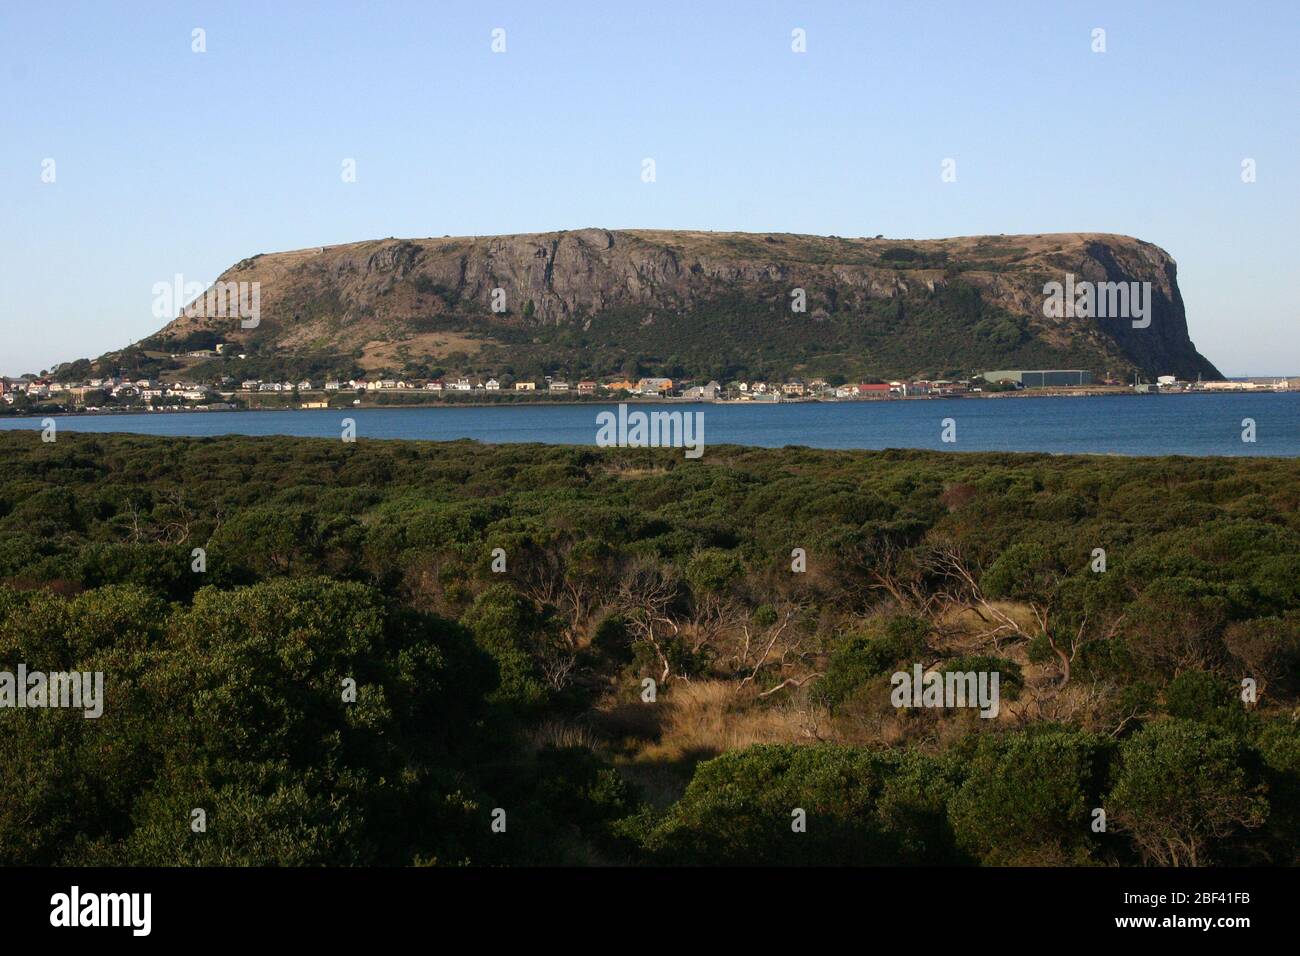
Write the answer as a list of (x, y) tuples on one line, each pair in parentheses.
[(1125, 425)]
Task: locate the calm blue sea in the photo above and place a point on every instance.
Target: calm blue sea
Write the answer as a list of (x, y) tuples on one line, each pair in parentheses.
[(1123, 425)]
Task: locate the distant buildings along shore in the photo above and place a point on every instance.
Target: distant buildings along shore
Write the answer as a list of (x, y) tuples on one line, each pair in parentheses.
[(123, 391)]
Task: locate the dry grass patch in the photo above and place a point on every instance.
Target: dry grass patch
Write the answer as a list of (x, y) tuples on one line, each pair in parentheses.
[(693, 722), (964, 627), (378, 354), (561, 734), (716, 716), (632, 472)]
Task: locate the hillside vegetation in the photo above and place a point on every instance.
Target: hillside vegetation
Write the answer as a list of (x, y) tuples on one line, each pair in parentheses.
[(524, 689)]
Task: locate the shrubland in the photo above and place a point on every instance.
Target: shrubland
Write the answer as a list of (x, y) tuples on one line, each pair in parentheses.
[(646, 680)]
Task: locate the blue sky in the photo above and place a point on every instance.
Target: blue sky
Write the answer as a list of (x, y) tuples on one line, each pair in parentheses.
[(169, 161)]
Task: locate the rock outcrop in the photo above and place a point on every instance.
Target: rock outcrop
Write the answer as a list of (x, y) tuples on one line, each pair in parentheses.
[(887, 306)]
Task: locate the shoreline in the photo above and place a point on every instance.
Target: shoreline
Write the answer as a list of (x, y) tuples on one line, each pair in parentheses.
[(1109, 392)]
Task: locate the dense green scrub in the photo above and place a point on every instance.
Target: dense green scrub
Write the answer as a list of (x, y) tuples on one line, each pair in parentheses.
[(327, 565), (951, 332)]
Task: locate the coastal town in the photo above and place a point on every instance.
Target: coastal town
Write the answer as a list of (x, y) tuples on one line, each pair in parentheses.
[(31, 393)]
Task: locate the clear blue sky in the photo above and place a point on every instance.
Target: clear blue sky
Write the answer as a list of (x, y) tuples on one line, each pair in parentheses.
[(170, 161)]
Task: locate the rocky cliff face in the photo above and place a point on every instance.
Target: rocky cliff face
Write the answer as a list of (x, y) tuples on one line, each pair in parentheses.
[(882, 306)]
